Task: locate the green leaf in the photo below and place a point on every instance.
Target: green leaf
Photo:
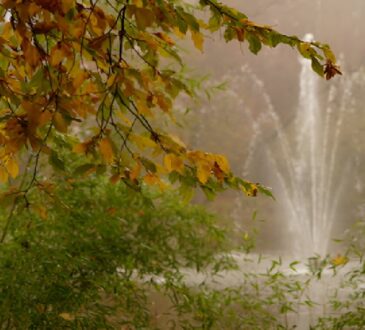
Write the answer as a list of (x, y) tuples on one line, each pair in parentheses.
[(293, 264), (148, 165), (266, 191), (274, 38), (229, 34), (255, 43), (209, 193), (189, 19), (317, 67), (187, 193), (56, 162), (100, 169), (329, 54), (305, 49), (174, 176), (83, 169), (215, 22)]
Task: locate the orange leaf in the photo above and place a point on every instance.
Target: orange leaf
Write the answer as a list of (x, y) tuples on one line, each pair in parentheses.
[(115, 178), (33, 113), (165, 38), (80, 148), (134, 174), (42, 211), (151, 179), (106, 150), (31, 54)]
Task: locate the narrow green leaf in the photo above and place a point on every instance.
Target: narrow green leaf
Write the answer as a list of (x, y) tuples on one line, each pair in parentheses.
[(317, 67)]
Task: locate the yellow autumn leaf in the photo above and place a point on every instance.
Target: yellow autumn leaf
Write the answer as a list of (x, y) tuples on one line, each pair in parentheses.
[(98, 25), (91, 87), (174, 163), (203, 171), (143, 109), (41, 211), (60, 123), (339, 260), (250, 189), (305, 49), (80, 148), (78, 77), (7, 31), (142, 142), (77, 29), (173, 142), (124, 119), (222, 162), (59, 53), (12, 167), (138, 3), (67, 5), (178, 33), (111, 80), (198, 39), (106, 150), (67, 316), (151, 179), (3, 175), (134, 174)]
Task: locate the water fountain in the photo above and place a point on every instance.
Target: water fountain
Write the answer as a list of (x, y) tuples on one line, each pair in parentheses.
[(305, 162), (302, 153)]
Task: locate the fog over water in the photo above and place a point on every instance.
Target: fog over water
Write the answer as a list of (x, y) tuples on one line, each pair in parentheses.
[(263, 100)]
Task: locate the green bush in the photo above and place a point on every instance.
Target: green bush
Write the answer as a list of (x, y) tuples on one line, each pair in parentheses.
[(97, 254), (104, 256)]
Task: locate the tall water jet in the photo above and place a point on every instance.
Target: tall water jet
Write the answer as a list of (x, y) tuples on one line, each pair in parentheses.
[(302, 152), (307, 181), (304, 162), (311, 200)]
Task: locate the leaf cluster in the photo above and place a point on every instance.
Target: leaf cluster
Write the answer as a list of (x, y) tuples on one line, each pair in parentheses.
[(102, 71)]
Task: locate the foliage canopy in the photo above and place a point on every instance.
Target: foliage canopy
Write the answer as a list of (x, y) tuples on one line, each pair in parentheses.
[(93, 77)]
